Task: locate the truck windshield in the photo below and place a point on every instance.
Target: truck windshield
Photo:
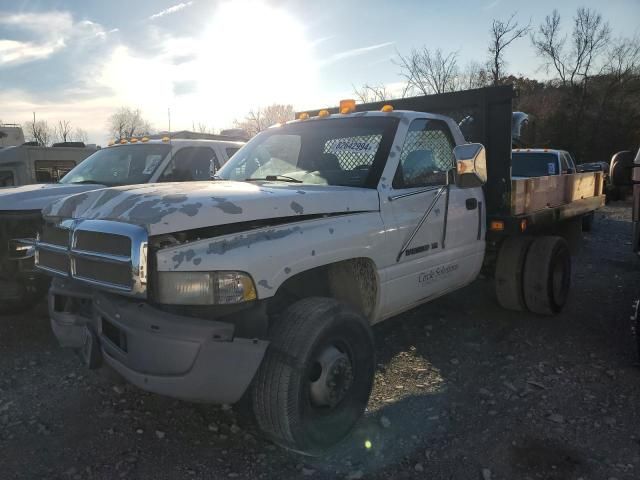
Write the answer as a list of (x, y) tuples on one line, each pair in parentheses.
[(119, 165), (534, 164), (337, 151)]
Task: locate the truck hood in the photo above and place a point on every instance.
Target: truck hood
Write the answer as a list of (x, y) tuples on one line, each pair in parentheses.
[(174, 207), (38, 196)]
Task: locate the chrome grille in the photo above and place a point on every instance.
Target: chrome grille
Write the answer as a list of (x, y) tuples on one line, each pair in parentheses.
[(55, 262), (55, 235), (109, 255), (102, 242)]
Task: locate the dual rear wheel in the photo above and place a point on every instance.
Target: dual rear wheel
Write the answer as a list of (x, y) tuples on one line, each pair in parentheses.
[(533, 273)]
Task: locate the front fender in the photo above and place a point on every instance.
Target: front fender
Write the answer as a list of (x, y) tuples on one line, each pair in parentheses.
[(272, 255)]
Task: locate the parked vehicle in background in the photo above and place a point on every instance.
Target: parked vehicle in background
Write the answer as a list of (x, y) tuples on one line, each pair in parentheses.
[(541, 162), (266, 282), (126, 163), (29, 163), (620, 169), (625, 176), (11, 135)]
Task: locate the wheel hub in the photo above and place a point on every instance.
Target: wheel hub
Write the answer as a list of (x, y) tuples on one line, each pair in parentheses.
[(331, 378)]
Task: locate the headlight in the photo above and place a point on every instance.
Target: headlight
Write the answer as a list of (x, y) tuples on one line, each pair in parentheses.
[(204, 288), (21, 248)]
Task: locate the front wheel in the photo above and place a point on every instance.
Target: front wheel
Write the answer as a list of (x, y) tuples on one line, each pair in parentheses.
[(317, 375)]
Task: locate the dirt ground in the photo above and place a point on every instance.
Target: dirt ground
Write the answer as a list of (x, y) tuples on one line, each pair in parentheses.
[(464, 390)]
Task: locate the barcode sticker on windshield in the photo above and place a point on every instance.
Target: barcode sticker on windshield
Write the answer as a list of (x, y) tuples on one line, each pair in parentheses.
[(354, 146), (551, 168)]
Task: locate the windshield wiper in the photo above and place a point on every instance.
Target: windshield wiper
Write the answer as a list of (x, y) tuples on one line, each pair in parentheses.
[(87, 182), (274, 178)]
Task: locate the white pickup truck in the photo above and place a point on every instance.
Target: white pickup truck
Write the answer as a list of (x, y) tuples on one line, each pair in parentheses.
[(125, 163), (267, 280), (541, 162)]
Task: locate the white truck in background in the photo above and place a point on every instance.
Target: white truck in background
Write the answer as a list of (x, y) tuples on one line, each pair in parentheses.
[(266, 281), (541, 162), (125, 163), (11, 135)]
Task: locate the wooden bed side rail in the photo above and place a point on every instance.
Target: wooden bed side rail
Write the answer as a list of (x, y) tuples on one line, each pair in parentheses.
[(537, 193)]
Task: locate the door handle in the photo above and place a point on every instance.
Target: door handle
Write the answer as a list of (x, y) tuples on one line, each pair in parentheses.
[(471, 203)]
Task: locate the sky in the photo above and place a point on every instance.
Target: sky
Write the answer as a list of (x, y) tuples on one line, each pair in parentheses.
[(211, 61)]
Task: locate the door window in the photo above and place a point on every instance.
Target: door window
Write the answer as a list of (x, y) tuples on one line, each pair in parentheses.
[(427, 155), (191, 164), (6, 178)]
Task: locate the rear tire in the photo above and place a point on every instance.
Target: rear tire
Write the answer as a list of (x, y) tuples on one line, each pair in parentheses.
[(587, 222), (509, 272), (316, 378), (547, 275)]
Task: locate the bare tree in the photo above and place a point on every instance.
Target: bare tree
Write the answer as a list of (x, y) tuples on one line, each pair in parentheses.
[(503, 33), (127, 122), (39, 131), (262, 118), (81, 135), (590, 36), (201, 127), (474, 75), (63, 132), (428, 72), (371, 93)]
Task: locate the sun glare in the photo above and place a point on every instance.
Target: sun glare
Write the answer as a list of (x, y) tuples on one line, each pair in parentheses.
[(250, 54)]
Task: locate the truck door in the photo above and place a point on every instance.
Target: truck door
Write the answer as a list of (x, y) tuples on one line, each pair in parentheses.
[(438, 226)]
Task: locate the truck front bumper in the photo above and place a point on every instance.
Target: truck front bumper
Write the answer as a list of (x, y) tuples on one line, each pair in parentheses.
[(164, 353)]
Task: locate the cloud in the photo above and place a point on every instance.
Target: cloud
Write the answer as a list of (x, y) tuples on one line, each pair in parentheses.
[(170, 10), (14, 52), (36, 36), (491, 5), (354, 52)]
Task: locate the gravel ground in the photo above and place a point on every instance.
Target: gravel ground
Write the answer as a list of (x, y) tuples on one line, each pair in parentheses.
[(464, 390)]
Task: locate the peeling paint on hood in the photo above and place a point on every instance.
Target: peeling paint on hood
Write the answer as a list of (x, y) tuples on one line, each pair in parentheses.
[(172, 207), (38, 196)]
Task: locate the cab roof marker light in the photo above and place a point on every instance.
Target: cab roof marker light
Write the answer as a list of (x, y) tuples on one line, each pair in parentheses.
[(165, 139), (347, 106), (133, 140), (387, 108), (323, 113), (144, 139), (303, 116), (123, 141), (111, 142)]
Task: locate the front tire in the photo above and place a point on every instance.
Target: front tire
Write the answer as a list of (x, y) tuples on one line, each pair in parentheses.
[(317, 375)]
